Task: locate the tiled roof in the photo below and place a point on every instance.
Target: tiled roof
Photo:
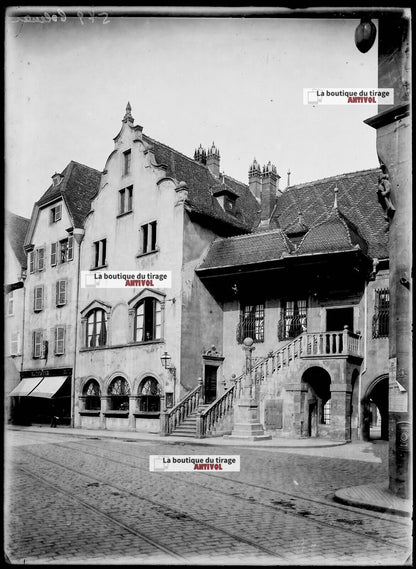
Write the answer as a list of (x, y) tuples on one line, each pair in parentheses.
[(16, 228), (201, 185), (357, 200), (335, 233), (79, 185), (246, 249)]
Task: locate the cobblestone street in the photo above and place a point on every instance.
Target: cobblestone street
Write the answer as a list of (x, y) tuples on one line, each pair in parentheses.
[(72, 499)]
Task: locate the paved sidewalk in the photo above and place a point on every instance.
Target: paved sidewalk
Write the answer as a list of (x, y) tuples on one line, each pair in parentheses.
[(375, 497), (276, 442)]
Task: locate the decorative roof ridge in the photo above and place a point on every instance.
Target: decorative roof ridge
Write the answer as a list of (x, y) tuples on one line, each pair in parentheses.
[(84, 166), (256, 233), (336, 177)]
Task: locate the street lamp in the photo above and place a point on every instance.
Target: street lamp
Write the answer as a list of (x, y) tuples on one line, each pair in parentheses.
[(365, 35), (166, 363)]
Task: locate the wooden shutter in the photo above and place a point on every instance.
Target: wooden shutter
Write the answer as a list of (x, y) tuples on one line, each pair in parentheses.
[(38, 298), (41, 258), (70, 248), (54, 248), (60, 340)]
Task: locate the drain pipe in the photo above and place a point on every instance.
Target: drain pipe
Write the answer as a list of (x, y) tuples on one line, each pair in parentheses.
[(364, 368), (78, 234)]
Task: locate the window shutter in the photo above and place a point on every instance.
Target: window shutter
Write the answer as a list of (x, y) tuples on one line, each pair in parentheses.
[(38, 301), (32, 262), (70, 248), (41, 259), (14, 343), (60, 293), (59, 340), (54, 247), (37, 344)]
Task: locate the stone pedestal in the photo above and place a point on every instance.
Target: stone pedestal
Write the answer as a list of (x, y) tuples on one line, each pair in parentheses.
[(247, 424)]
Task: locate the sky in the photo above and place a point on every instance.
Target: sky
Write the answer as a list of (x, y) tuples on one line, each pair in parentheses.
[(237, 82)]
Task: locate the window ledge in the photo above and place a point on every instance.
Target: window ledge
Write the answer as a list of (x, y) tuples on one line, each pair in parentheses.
[(148, 253), (90, 413), (99, 267), (144, 415), (145, 342), (124, 213), (123, 414)]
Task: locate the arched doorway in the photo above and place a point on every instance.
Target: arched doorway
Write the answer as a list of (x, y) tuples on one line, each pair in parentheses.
[(376, 410), (316, 402)]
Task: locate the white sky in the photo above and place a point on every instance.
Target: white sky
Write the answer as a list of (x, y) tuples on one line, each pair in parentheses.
[(236, 81)]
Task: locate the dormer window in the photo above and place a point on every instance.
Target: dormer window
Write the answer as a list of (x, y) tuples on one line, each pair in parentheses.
[(57, 179), (227, 199)]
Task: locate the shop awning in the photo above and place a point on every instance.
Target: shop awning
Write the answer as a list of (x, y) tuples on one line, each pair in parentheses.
[(48, 386), (27, 385)]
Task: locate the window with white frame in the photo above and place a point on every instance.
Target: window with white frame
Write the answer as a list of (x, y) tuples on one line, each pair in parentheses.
[(10, 303), (66, 249), (56, 213), (125, 204), (15, 343), (96, 328), (126, 162), (37, 344), (100, 253), (38, 298), (59, 340), (37, 260), (148, 320), (148, 237), (61, 292), (293, 319)]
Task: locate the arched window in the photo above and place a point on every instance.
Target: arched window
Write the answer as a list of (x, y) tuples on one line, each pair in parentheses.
[(149, 395), (96, 329), (148, 320), (92, 393), (119, 392)]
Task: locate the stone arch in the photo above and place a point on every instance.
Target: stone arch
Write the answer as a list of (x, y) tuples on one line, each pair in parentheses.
[(149, 394), (376, 397), (315, 402)]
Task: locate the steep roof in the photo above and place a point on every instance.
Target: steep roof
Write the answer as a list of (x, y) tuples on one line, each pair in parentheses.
[(357, 200), (16, 228), (247, 249), (78, 187), (202, 184)]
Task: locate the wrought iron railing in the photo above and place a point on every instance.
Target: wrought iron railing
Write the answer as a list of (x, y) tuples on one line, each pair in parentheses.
[(290, 327), (381, 324)]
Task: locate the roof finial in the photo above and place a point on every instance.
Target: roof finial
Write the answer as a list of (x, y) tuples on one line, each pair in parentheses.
[(288, 178), (335, 198), (128, 116), (300, 217)]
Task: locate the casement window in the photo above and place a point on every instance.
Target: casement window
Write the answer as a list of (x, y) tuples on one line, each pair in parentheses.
[(92, 395), (38, 344), (118, 392), (293, 320), (37, 260), (251, 323), (100, 253), (59, 340), (15, 343), (61, 292), (66, 249), (148, 320), (38, 298), (56, 213), (148, 237), (149, 395), (10, 303), (126, 162), (381, 313), (96, 329), (125, 200)]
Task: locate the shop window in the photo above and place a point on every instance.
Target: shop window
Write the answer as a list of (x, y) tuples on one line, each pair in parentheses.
[(251, 323), (148, 320), (293, 319), (381, 314), (92, 395), (149, 395), (118, 392)]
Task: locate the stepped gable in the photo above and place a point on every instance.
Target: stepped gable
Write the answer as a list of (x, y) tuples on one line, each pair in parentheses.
[(16, 228), (78, 187), (357, 200), (202, 184), (247, 249), (335, 233)]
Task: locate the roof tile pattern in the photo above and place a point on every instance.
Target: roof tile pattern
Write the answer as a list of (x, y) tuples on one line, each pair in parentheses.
[(79, 185), (16, 228), (201, 185)]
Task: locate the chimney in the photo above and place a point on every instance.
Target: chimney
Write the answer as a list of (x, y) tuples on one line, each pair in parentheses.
[(269, 190), (200, 155), (254, 180), (213, 160), (57, 179)]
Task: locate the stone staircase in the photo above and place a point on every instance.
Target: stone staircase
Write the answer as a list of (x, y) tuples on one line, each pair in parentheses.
[(188, 427)]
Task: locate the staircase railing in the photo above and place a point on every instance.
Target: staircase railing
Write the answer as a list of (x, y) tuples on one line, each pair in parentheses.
[(307, 344), (171, 419)]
